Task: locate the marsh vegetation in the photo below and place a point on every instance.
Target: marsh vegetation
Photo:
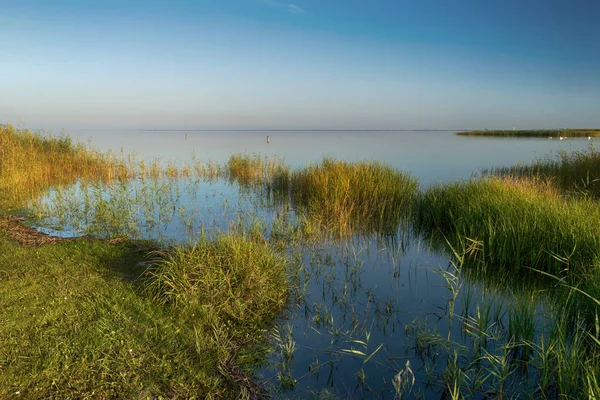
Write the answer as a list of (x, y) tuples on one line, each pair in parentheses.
[(541, 133), (338, 278)]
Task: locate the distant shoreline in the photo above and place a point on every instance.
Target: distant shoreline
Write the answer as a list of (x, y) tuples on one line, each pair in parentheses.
[(301, 130), (550, 133)]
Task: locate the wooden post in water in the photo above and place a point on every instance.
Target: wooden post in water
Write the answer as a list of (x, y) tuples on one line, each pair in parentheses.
[(186, 136), (268, 139)]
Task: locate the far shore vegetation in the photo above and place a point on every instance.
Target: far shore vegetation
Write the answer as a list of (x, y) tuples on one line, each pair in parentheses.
[(532, 133), (114, 317)]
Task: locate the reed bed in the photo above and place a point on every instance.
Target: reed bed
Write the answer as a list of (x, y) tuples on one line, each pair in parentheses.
[(573, 173), (30, 163), (346, 197), (542, 133), (253, 169), (516, 224)]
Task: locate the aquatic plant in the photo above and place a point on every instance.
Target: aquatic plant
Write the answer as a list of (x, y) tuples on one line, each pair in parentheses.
[(346, 197), (241, 281), (517, 224), (30, 163), (253, 169), (513, 353), (573, 173)]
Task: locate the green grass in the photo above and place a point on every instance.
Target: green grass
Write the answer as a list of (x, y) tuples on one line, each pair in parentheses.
[(347, 197), (510, 352), (80, 319), (516, 224), (230, 281), (576, 172), (543, 133), (86, 318)]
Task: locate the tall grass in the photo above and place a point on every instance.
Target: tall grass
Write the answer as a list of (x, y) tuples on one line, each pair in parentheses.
[(576, 172), (241, 282), (347, 197), (519, 224), (30, 163), (535, 133), (253, 169)]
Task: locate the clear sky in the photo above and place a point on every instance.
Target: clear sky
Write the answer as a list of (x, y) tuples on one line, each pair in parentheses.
[(300, 64)]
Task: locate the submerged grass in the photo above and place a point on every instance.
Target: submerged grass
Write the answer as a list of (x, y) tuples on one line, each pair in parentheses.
[(347, 197), (522, 357), (253, 169), (556, 133)]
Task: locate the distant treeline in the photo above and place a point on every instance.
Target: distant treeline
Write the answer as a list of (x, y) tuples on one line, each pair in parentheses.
[(535, 132)]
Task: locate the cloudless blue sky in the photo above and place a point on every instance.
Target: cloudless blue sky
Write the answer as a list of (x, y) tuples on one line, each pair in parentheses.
[(300, 64)]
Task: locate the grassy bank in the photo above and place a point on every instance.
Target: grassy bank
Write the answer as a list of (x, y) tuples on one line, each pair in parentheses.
[(542, 133), (88, 318)]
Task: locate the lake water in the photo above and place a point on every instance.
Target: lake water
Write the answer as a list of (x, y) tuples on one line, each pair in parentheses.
[(366, 303)]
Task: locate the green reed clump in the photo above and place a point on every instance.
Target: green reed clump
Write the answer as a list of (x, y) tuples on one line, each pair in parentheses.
[(516, 223), (238, 282), (565, 133), (253, 169), (576, 172), (345, 197), (30, 163)]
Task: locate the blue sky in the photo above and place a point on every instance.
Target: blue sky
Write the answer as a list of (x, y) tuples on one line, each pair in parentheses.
[(300, 64)]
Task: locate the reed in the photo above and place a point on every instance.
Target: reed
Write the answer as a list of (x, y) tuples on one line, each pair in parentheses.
[(518, 224), (253, 169), (30, 163), (542, 133), (573, 173), (513, 353), (346, 197)]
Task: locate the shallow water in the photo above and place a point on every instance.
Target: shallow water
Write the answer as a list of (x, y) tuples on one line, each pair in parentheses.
[(359, 297)]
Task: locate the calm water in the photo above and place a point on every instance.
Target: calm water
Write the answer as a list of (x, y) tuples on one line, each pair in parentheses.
[(363, 296)]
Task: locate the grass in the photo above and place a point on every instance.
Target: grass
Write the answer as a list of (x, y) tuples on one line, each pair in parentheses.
[(510, 354), (253, 169), (516, 223), (89, 319), (346, 197), (542, 133), (31, 163), (230, 280), (575, 173)]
